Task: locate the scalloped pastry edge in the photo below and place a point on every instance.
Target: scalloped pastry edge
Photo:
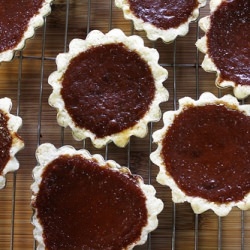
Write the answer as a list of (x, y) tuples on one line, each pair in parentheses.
[(35, 22), (47, 152), (198, 204), (96, 38), (240, 91), (153, 32), (13, 124)]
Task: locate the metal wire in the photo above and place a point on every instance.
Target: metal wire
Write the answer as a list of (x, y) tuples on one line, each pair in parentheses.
[(15, 173), (242, 230)]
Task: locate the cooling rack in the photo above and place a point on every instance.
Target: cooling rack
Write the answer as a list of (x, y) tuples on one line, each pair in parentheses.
[(24, 80)]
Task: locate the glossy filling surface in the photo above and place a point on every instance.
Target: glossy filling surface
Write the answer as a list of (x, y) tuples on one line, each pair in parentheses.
[(84, 206), (228, 41), (107, 89), (14, 19), (163, 14), (5, 141), (207, 152)]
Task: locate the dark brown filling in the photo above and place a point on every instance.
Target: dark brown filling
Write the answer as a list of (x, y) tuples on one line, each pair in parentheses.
[(14, 19), (229, 41), (207, 152), (5, 141), (164, 14), (84, 206), (107, 89)]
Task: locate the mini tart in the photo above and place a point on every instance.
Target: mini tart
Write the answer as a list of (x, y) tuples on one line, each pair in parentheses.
[(226, 44), (10, 142), (161, 19), (18, 21), (108, 87), (81, 201), (203, 153)]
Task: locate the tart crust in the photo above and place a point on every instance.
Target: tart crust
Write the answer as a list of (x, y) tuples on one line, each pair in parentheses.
[(153, 32), (46, 153), (198, 204), (93, 40), (35, 22), (208, 64), (13, 124)]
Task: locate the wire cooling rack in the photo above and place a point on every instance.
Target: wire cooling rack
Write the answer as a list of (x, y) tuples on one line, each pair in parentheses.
[(24, 80)]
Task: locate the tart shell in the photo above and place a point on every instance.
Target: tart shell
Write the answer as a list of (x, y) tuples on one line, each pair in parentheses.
[(208, 64), (35, 22), (198, 204), (97, 38), (13, 124), (153, 32), (46, 153)]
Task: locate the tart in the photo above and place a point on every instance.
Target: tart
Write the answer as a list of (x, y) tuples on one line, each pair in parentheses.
[(226, 44), (81, 201), (10, 141), (108, 87), (161, 19), (18, 21), (203, 153)]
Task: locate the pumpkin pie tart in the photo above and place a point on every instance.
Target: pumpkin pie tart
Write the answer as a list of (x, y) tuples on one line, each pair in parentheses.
[(203, 153), (10, 141), (165, 19), (81, 201), (226, 44), (18, 21), (108, 87)]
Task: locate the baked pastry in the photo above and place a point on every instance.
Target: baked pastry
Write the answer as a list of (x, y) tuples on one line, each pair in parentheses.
[(226, 44), (18, 21), (203, 153), (161, 19), (10, 141), (108, 87), (83, 202)]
